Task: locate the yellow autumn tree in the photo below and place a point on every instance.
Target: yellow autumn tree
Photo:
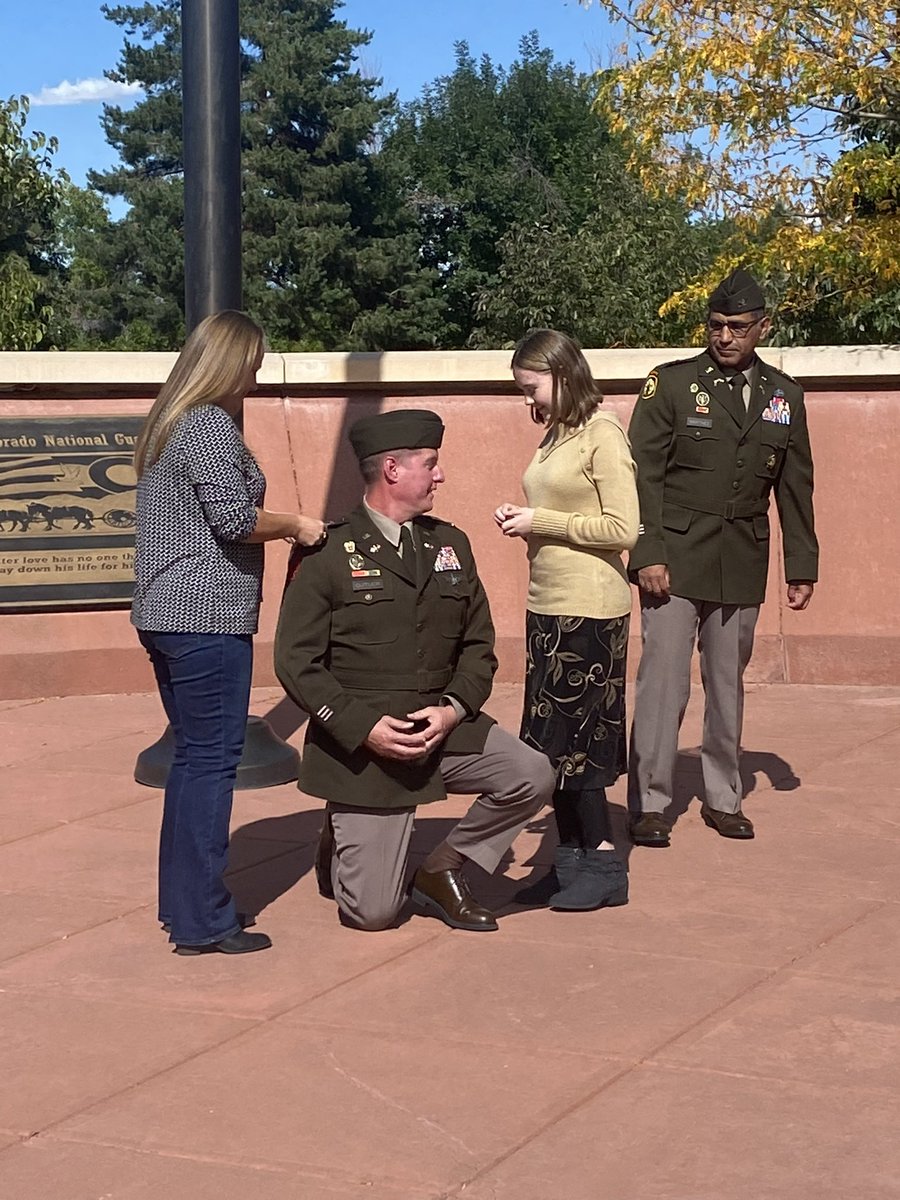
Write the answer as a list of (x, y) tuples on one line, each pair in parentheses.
[(783, 119)]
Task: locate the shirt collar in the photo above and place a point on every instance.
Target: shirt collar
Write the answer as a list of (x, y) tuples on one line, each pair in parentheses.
[(386, 526)]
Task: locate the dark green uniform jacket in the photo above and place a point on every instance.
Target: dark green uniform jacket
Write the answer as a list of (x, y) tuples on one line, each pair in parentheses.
[(705, 470), (363, 633)]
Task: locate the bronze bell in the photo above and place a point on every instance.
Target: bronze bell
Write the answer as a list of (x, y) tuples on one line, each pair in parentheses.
[(267, 759)]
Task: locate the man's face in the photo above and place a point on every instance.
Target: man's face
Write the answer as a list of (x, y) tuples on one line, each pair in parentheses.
[(733, 340), (417, 477)]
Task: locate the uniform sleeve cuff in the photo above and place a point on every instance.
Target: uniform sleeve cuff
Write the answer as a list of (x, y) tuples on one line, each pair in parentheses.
[(456, 705)]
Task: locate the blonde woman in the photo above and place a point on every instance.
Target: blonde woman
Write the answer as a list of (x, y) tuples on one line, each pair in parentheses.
[(582, 513), (198, 576)]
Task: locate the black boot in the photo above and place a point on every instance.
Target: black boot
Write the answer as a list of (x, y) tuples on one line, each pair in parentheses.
[(601, 881), (560, 876)]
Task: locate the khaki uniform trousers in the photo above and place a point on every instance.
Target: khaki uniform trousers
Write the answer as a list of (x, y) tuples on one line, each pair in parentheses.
[(368, 869), (668, 633)]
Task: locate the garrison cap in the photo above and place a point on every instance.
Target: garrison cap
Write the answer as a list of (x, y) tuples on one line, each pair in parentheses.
[(401, 429), (737, 293)]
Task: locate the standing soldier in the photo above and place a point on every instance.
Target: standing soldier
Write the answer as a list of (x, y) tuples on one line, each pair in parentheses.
[(385, 639), (712, 436)]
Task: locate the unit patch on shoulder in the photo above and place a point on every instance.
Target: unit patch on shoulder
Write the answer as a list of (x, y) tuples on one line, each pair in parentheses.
[(649, 388)]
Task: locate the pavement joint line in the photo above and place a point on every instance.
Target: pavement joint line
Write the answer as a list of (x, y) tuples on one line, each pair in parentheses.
[(254, 1024), (63, 824), (761, 1077), (298, 1171), (647, 1059), (119, 916)]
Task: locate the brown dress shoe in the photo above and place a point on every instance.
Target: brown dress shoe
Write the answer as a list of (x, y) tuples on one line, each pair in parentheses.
[(730, 825), (324, 855), (446, 895), (649, 829)]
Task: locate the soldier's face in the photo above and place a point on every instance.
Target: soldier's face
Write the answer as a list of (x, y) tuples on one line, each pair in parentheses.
[(418, 476), (733, 340)]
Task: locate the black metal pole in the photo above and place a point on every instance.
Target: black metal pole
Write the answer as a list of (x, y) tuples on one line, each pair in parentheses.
[(211, 95)]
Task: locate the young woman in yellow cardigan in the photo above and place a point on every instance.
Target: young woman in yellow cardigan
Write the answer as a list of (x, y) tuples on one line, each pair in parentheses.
[(582, 513)]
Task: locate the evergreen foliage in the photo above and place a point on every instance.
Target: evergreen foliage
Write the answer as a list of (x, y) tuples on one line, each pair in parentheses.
[(329, 250)]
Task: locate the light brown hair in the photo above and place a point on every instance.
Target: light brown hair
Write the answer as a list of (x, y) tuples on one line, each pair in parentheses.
[(575, 393), (208, 370)]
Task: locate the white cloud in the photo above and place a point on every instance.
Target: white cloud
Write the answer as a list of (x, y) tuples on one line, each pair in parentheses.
[(84, 91)]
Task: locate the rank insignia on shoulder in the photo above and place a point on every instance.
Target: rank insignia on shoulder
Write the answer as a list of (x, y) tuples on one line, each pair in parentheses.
[(446, 560), (650, 385)]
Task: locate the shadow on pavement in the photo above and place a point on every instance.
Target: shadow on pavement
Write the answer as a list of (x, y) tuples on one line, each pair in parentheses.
[(689, 777)]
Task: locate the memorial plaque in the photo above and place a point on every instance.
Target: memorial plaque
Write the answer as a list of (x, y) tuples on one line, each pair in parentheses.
[(67, 511)]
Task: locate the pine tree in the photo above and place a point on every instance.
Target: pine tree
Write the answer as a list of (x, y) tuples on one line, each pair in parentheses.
[(330, 252)]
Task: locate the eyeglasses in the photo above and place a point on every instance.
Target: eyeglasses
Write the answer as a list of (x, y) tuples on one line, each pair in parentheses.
[(738, 329)]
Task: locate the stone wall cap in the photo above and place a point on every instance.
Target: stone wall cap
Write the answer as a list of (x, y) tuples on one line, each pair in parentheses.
[(443, 368)]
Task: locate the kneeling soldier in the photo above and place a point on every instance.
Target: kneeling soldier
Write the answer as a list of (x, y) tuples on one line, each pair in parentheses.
[(386, 640)]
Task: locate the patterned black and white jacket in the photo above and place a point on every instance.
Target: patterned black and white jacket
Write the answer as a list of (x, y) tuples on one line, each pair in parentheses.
[(195, 504)]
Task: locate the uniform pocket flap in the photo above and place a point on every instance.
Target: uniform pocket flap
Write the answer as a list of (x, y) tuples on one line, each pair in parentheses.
[(677, 518)]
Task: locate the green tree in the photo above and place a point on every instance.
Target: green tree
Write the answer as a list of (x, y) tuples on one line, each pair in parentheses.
[(29, 195), (330, 252), (528, 212)]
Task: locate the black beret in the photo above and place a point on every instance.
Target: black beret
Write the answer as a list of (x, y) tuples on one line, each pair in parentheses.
[(736, 294), (401, 429)]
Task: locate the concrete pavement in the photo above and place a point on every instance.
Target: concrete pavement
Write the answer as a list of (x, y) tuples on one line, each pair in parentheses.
[(732, 1034)]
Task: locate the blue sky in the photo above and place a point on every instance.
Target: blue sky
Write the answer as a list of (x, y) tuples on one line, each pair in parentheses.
[(54, 43)]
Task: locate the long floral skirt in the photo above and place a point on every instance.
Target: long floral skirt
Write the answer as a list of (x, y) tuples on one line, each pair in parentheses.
[(575, 697)]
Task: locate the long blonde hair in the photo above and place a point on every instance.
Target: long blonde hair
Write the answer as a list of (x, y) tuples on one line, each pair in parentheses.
[(575, 393), (208, 370)]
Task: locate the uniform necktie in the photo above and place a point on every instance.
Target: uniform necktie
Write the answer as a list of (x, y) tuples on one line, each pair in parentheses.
[(407, 546), (737, 387)]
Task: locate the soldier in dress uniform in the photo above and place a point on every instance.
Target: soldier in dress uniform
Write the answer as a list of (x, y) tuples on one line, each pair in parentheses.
[(385, 639), (712, 437)]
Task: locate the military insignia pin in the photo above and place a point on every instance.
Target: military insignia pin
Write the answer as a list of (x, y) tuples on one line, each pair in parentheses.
[(702, 399), (375, 547), (357, 561), (695, 387), (349, 547)]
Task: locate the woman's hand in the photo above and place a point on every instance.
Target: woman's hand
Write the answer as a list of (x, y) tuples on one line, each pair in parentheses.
[(307, 531), (513, 520)]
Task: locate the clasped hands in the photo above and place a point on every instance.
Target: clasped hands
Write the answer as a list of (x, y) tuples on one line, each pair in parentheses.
[(397, 737), (513, 520)]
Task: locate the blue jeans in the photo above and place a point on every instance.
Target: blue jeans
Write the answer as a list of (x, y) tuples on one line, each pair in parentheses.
[(204, 683)]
